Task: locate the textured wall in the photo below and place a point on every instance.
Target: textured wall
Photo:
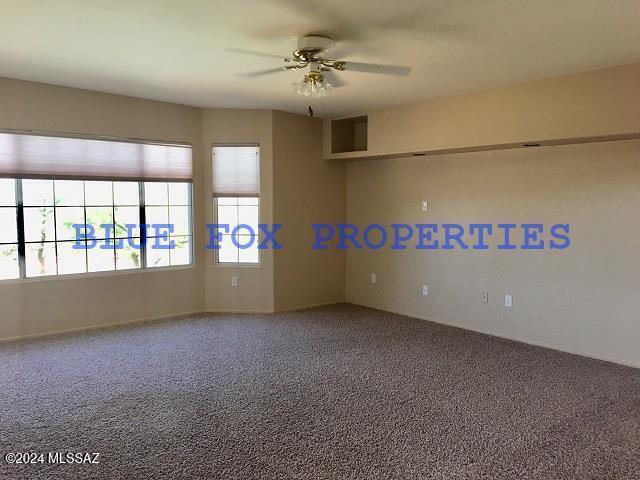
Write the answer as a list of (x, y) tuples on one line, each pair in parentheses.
[(307, 190), (582, 300)]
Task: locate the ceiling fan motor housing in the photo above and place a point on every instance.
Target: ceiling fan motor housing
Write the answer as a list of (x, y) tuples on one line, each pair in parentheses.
[(307, 48)]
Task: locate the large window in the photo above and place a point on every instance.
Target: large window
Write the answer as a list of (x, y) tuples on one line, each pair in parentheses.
[(38, 237), (236, 193)]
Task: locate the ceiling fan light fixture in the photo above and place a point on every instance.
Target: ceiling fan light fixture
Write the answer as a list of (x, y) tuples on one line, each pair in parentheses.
[(313, 84)]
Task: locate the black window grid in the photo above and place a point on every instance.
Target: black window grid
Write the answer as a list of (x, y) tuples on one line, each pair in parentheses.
[(141, 240)]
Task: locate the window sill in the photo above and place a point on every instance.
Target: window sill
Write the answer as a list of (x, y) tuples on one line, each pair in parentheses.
[(235, 265)]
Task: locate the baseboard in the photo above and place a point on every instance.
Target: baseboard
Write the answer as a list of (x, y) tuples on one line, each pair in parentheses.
[(234, 310), (498, 335), (150, 319), (303, 307), (312, 305), (276, 310), (98, 326)]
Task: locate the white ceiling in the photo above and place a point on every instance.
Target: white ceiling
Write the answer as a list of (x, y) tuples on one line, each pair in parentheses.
[(177, 50)]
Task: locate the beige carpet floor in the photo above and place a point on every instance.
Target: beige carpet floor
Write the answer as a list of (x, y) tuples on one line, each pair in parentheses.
[(339, 392)]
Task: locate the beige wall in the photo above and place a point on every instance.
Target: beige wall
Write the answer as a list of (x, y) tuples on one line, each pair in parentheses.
[(591, 104), (582, 300), (38, 305), (292, 171), (255, 283), (307, 190)]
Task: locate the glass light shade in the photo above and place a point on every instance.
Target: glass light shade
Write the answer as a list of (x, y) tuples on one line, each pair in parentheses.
[(313, 85)]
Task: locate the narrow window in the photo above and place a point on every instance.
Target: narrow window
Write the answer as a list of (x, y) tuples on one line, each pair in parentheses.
[(236, 192)]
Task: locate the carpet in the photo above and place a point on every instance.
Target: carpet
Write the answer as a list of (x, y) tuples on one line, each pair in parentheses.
[(338, 392)]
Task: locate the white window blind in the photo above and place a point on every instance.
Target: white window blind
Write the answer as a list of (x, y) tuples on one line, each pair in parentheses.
[(27, 155), (236, 171)]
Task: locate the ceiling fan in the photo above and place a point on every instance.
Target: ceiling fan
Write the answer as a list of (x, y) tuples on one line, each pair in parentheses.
[(321, 76)]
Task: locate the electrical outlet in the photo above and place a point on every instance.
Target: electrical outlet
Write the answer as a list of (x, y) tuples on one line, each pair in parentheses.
[(425, 290), (234, 281), (374, 279), (425, 205), (485, 297), (508, 301)]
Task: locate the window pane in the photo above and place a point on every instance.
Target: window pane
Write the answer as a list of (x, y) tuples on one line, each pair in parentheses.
[(9, 262), (181, 254), (8, 225), (7, 191), (66, 217), (158, 240), (126, 193), (248, 255), (227, 216), (37, 192), (98, 193), (128, 257), (157, 257), (69, 192), (38, 224), (228, 252), (179, 194), (227, 201), (40, 259), (249, 216), (101, 260), (71, 260), (249, 201), (97, 216), (156, 215), (127, 216), (156, 193), (179, 218)]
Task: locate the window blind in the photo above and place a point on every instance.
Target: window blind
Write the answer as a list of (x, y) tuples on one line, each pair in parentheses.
[(28, 155), (236, 171)]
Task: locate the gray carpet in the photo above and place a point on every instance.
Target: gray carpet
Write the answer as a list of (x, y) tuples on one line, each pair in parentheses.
[(337, 392)]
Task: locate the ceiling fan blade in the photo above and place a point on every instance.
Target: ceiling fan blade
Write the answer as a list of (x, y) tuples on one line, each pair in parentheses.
[(245, 51), (260, 73), (397, 70), (334, 80)]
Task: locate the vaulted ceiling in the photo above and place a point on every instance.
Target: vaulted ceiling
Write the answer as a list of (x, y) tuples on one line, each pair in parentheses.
[(180, 51)]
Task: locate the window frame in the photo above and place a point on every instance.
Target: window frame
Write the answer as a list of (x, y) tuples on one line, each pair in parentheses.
[(22, 243), (216, 252)]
